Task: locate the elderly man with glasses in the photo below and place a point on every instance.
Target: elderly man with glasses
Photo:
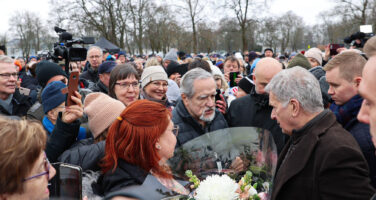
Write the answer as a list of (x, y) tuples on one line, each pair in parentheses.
[(12, 102)]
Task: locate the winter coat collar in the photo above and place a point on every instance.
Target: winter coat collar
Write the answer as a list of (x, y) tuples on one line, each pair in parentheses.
[(102, 87), (261, 100), (345, 113)]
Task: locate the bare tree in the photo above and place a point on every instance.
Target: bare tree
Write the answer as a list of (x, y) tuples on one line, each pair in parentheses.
[(29, 29), (355, 10), (107, 18), (138, 9), (193, 9)]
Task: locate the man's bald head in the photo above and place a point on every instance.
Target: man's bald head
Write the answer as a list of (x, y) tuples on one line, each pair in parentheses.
[(265, 69)]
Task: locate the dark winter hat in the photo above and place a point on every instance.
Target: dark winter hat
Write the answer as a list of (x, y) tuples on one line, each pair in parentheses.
[(46, 70), (299, 60), (181, 55), (106, 67), (52, 96), (269, 49), (121, 53), (173, 67), (246, 84), (252, 55)]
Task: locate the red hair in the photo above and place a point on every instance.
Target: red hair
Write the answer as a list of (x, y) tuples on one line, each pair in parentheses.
[(132, 137)]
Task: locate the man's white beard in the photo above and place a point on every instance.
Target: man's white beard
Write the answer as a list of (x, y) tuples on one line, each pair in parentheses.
[(210, 118)]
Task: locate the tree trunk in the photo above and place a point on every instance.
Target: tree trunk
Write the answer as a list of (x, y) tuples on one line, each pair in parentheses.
[(194, 36)]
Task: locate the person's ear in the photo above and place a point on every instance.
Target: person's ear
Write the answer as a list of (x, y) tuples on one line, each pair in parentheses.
[(295, 107), (356, 81), (184, 98), (52, 115)]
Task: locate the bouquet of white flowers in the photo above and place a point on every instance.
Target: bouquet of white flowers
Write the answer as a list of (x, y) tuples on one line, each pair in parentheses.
[(243, 158), (218, 187)]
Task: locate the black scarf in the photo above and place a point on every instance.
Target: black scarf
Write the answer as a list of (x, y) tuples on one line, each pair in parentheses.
[(261, 100)]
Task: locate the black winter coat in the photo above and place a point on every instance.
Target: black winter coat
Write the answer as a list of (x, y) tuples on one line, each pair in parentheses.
[(21, 105), (361, 133), (189, 128), (90, 75), (124, 175), (99, 87), (254, 110), (84, 153), (62, 137)]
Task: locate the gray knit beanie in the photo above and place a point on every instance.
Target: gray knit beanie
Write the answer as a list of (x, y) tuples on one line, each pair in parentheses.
[(153, 73), (171, 55)]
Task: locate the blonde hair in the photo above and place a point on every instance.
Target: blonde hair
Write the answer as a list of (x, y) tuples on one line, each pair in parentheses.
[(370, 47), (21, 143), (153, 61), (350, 65)]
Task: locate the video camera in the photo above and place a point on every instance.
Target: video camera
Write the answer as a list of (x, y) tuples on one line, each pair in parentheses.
[(64, 49), (358, 39)]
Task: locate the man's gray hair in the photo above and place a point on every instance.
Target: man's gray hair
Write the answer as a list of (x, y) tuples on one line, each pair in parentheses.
[(6, 59), (297, 83), (96, 48), (186, 83)]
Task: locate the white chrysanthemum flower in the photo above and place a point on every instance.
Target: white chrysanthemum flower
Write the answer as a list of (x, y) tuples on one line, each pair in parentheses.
[(252, 191), (217, 188)]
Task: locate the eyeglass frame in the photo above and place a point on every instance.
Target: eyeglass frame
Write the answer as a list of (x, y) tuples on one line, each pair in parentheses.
[(128, 85), (8, 75), (47, 166)]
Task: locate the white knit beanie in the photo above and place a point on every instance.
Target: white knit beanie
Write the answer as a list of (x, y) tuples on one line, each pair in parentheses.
[(311, 53), (153, 73), (102, 111)]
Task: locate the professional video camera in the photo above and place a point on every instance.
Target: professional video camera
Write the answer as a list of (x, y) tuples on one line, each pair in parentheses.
[(358, 39), (68, 48)]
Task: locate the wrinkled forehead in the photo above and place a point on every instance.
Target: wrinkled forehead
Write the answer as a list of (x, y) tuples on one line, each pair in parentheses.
[(7, 67), (204, 87)]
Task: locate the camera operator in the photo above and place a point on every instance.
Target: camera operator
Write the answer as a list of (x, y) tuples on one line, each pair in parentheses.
[(357, 40)]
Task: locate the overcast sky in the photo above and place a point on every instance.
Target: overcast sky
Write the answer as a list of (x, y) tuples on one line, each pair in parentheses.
[(308, 9)]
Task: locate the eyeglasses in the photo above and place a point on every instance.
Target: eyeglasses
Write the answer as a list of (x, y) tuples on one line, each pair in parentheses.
[(46, 167), (95, 56), (175, 130), (135, 85), (8, 75), (159, 84)]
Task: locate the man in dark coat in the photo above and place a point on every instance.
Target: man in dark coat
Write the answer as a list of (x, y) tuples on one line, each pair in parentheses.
[(94, 56), (195, 112), (104, 71), (321, 160), (12, 102), (254, 109), (344, 73)]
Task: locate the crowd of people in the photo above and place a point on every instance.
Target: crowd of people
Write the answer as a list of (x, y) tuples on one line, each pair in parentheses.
[(130, 113)]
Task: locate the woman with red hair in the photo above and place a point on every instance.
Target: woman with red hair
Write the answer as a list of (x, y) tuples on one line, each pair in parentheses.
[(139, 143)]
